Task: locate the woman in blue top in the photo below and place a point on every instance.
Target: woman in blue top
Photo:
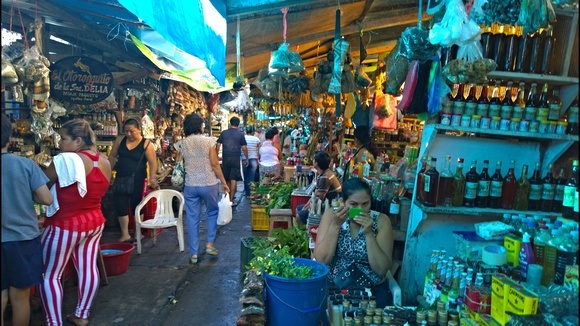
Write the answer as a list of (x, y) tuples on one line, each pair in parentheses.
[(365, 240)]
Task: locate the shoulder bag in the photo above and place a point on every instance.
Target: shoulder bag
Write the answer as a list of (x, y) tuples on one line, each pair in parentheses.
[(352, 277), (126, 185)]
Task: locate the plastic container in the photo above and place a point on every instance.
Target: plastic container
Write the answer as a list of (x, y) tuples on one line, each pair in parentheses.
[(526, 256), (469, 246), (116, 257), (297, 301), (260, 221)]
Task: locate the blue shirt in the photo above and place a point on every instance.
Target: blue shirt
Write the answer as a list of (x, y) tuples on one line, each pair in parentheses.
[(232, 140)]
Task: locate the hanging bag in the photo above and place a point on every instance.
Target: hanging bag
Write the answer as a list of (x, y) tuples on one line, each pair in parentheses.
[(225, 210), (178, 174), (126, 185)]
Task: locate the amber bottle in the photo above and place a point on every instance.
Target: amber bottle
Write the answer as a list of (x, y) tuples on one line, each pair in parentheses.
[(495, 187), (458, 184), (483, 102), (536, 185), (483, 185), (548, 191), (543, 105), (511, 49), (495, 102), (471, 101), (572, 128), (520, 102), (531, 103), (509, 187), (471, 182), (523, 55), (431, 181), (523, 190), (561, 182), (507, 104)]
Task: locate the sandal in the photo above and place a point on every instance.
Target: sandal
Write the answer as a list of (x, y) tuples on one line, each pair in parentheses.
[(193, 259), (77, 321), (211, 251)]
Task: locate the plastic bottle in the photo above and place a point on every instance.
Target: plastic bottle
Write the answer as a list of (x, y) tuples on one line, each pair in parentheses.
[(540, 244), (550, 257), (526, 256), (566, 254)]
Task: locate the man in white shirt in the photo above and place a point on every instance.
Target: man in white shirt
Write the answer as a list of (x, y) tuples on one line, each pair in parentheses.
[(287, 146), (251, 169)]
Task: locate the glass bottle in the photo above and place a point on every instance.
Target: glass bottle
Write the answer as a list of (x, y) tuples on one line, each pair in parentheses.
[(536, 185), (507, 104), (555, 104), (471, 181), (499, 40), (395, 207), (510, 49), (572, 128), (459, 100), (561, 182), (508, 190), (431, 179), (566, 255), (486, 41), (535, 46), (420, 184), (569, 192), (458, 184), (520, 102), (495, 187), (548, 191), (483, 102), (483, 185), (495, 102), (523, 191), (543, 105), (523, 55), (547, 48), (471, 101), (445, 191), (531, 103)]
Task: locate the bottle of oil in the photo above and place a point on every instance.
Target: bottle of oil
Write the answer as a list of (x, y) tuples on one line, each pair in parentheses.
[(431, 180), (548, 191), (507, 104), (569, 192), (458, 184), (555, 104), (573, 127), (520, 102), (495, 187), (561, 182), (536, 186), (550, 252), (531, 103), (445, 191), (495, 102), (509, 187), (471, 182), (483, 185), (523, 191), (483, 102), (510, 49), (543, 105)]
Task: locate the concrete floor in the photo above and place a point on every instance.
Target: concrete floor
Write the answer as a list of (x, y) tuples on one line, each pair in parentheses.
[(161, 287)]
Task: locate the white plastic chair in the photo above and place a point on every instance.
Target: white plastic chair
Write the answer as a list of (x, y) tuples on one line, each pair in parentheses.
[(164, 216)]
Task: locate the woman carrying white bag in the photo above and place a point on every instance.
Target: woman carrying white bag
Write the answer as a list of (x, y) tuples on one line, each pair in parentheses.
[(202, 173)]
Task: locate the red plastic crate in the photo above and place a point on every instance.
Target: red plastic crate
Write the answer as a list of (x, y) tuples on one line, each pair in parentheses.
[(296, 200)]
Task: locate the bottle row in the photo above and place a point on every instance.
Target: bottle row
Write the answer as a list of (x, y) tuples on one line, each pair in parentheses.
[(529, 106), (480, 189), (513, 51)]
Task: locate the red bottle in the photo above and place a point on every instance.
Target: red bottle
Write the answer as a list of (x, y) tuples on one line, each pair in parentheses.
[(510, 184)]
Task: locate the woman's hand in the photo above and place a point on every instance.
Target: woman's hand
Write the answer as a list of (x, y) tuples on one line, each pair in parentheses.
[(365, 221), (340, 215), (226, 189)]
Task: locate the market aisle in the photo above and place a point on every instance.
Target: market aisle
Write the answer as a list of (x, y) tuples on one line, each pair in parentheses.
[(206, 294)]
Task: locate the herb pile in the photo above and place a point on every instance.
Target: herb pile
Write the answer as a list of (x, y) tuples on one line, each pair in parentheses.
[(280, 196), (278, 261)]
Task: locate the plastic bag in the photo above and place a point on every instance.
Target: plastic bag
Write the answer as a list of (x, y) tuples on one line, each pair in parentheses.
[(340, 50), (361, 78), (225, 210), (296, 63), (178, 175), (414, 44), (347, 80), (279, 58), (397, 67), (455, 27)]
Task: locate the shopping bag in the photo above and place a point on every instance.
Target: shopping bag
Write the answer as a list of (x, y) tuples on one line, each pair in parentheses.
[(225, 210), (178, 175)]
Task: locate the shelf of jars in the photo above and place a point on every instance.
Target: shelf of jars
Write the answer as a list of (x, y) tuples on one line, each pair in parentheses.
[(478, 211), (508, 133)]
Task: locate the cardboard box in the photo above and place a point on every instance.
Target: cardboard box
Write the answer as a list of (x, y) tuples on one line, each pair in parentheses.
[(500, 285), (521, 301), (513, 246)]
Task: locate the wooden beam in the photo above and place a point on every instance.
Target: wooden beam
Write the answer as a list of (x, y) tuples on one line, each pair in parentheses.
[(363, 15), (268, 7)]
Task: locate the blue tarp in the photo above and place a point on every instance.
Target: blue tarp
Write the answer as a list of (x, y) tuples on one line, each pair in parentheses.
[(185, 29)]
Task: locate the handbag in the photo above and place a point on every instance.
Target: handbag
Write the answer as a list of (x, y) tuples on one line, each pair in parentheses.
[(178, 174), (126, 185), (352, 277)]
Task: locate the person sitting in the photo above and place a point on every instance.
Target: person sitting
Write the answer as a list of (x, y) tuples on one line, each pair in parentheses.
[(364, 242), (327, 185)]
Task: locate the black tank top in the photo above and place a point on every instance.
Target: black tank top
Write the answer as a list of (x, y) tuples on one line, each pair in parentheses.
[(127, 160)]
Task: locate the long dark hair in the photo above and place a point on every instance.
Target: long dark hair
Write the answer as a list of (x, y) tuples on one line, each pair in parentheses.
[(363, 135)]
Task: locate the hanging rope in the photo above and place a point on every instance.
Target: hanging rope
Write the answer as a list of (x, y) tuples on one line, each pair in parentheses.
[(285, 12), (11, 13), (420, 16), (238, 48), (23, 29)]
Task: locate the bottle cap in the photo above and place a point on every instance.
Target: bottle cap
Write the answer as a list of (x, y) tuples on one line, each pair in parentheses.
[(526, 237)]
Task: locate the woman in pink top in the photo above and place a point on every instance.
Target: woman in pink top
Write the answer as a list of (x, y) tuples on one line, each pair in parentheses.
[(76, 228)]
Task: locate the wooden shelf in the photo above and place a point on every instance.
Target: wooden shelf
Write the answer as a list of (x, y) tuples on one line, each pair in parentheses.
[(478, 211), (16, 109), (524, 77), (509, 133)]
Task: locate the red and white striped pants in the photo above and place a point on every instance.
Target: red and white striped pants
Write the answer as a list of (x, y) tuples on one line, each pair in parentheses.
[(58, 245)]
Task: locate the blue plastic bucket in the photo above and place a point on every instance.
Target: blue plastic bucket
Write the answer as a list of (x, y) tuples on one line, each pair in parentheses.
[(297, 301)]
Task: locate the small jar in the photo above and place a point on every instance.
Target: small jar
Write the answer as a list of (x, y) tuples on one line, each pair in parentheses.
[(475, 121), (543, 127), (524, 125), (552, 127), (465, 120), (534, 126), (515, 124), (495, 123), (504, 124), (485, 122), (561, 127), (446, 119), (456, 120), (518, 112), (420, 317)]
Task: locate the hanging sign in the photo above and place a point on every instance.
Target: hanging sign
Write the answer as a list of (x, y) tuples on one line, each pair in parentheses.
[(80, 80)]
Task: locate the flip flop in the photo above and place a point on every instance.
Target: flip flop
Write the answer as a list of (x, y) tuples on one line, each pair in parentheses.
[(211, 251), (130, 240), (193, 259), (77, 321)]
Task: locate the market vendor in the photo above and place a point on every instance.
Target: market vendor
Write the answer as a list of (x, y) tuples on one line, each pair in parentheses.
[(362, 141), (360, 246), (327, 184)]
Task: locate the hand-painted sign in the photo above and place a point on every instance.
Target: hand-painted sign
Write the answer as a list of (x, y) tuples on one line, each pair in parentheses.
[(80, 80)]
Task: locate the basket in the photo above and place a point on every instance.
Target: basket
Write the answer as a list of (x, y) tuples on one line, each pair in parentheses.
[(260, 221), (116, 256)]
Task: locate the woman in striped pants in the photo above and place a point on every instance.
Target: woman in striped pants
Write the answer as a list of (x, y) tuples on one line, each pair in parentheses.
[(74, 225)]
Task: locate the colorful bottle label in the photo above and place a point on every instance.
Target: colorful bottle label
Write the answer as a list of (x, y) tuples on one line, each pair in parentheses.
[(559, 195), (394, 209), (427, 182), (494, 110), (573, 115), (568, 199), (548, 191), (530, 113), (483, 188), (495, 188), (470, 190), (554, 112), (535, 192)]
